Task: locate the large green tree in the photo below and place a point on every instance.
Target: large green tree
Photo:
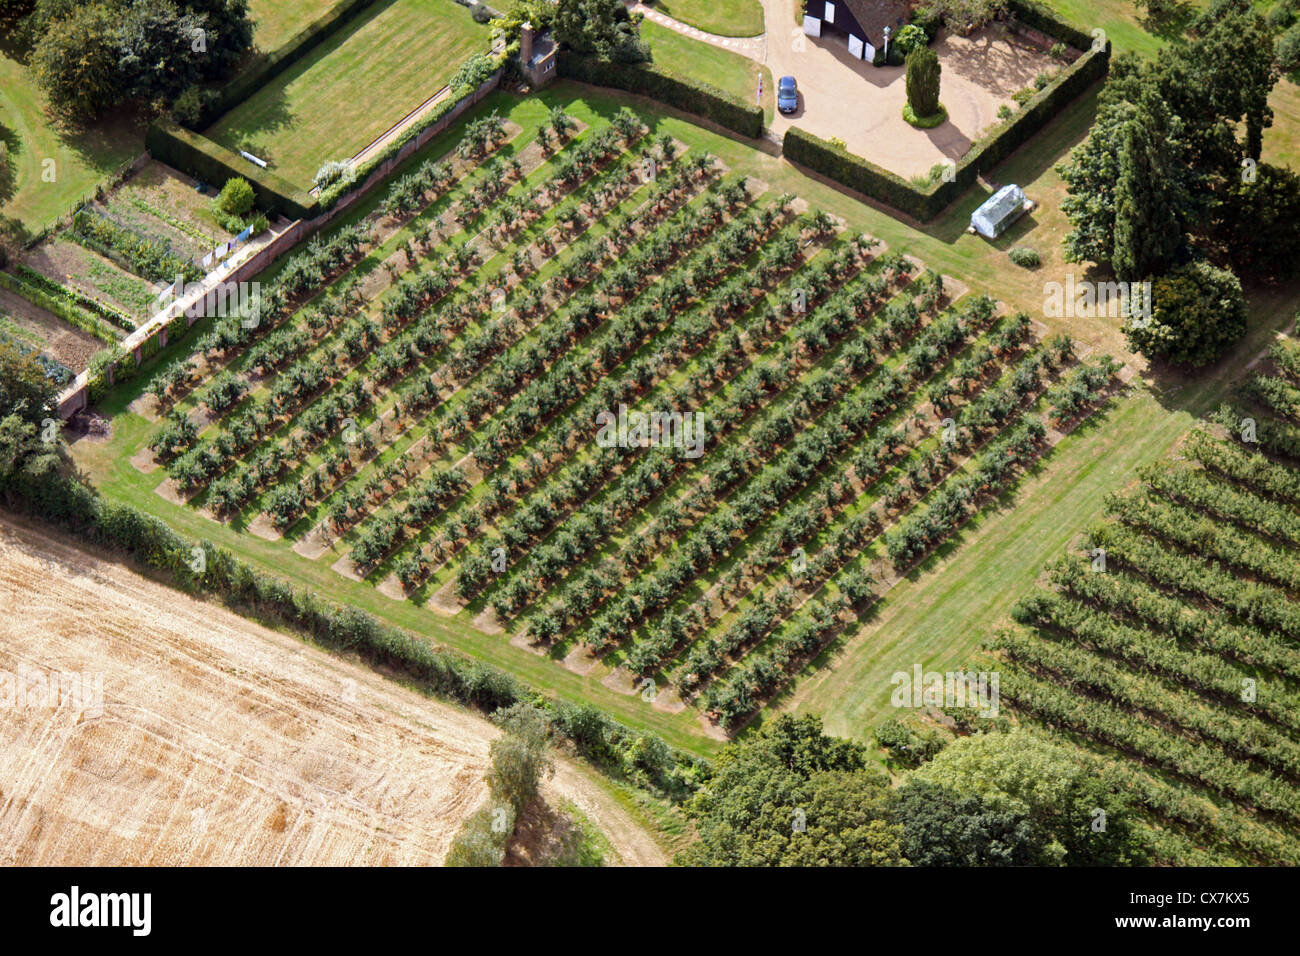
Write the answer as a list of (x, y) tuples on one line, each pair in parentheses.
[(92, 56), (1198, 312), (792, 795), (604, 28), (1148, 210), (945, 828), (1084, 820)]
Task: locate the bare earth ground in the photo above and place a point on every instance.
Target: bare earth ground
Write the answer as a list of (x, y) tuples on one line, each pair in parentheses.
[(66, 343), (221, 741)]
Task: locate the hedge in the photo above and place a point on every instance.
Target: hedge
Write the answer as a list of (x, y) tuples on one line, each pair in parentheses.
[(211, 162), (152, 544), (660, 84), (266, 66), (925, 203), (1045, 20)]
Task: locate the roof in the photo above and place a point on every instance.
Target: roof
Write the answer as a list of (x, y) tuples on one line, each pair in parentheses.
[(998, 211), (874, 15)]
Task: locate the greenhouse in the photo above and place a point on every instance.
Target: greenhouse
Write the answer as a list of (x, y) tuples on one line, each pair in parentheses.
[(1000, 210)]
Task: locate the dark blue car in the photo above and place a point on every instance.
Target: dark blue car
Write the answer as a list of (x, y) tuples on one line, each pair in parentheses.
[(787, 95)]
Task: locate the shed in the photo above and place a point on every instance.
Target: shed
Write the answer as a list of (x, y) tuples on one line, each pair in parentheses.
[(998, 212)]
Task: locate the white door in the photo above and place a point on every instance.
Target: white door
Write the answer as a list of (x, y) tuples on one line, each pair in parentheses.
[(868, 52), (830, 13), (812, 26), (855, 46)]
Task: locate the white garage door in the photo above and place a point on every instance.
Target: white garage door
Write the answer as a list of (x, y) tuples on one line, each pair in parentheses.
[(812, 26), (855, 46)]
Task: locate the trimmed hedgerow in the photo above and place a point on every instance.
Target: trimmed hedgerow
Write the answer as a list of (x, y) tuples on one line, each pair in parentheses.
[(668, 87), (924, 204), (213, 163)]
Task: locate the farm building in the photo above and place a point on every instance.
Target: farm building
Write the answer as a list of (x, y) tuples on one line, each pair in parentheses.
[(862, 22), (998, 212)]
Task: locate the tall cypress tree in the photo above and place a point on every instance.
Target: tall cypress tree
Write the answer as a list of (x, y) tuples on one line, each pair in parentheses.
[(1149, 226)]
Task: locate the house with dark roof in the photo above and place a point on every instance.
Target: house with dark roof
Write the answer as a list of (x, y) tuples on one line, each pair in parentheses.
[(861, 22)]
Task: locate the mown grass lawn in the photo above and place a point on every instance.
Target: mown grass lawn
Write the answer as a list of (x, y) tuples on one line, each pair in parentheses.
[(83, 157), (278, 20), (728, 18), (736, 74), (388, 60)]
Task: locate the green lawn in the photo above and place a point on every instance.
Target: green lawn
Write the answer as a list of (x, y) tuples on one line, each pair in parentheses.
[(728, 18), (278, 20), (727, 71), (83, 157), (389, 59)]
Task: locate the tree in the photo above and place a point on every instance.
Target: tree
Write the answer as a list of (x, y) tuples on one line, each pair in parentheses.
[(236, 197), (1084, 819), (944, 828), (923, 81), (1257, 221), (792, 795), (89, 57), (1148, 222), (601, 27), (1197, 312), (75, 62), (519, 756)]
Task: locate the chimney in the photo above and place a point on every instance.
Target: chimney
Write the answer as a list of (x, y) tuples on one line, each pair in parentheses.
[(526, 44)]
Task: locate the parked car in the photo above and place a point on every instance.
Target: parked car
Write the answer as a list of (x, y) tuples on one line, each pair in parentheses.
[(787, 95)]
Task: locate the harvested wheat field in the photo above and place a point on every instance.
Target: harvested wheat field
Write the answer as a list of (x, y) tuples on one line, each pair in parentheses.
[(217, 741)]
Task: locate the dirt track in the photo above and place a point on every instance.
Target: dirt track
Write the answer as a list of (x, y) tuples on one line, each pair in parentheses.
[(220, 741)]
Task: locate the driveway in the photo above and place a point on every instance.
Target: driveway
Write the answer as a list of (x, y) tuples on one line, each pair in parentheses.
[(841, 96)]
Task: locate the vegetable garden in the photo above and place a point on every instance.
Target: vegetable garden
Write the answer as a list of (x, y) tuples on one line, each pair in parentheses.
[(416, 409)]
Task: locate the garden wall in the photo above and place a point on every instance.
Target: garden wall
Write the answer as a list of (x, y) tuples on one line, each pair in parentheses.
[(150, 338)]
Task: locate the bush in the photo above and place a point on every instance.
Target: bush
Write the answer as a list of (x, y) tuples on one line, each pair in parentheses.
[(1286, 50), (924, 122), (923, 71), (331, 172), (480, 13), (929, 20), (187, 109), (236, 197), (1197, 312), (1025, 257), (657, 83), (210, 162), (909, 38)]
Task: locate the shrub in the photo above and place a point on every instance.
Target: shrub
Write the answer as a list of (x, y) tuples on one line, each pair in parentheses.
[(480, 13), (923, 82), (1025, 257), (924, 122), (331, 172), (928, 19), (1197, 312), (910, 38), (236, 197), (210, 162), (1287, 50)]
